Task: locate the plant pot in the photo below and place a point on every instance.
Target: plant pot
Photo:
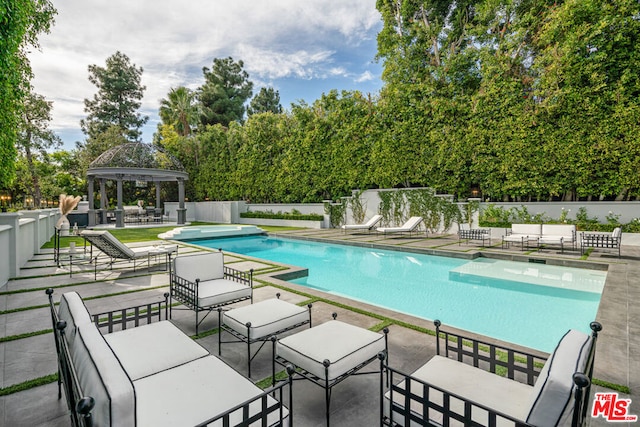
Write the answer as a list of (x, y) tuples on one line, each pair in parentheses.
[(63, 226)]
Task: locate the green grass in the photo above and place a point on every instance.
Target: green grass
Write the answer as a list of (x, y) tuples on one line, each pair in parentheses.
[(139, 234), (36, 382)]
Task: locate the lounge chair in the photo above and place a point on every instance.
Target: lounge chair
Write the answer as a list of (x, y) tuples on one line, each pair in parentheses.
[(369, 225), (115, 250), (601, 240), (408, 227)]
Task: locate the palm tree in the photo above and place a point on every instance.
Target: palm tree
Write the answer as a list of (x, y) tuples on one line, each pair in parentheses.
[(180, 110)]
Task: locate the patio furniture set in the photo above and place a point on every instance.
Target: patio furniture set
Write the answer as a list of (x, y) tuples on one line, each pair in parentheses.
[(524, 235), (135, 367)]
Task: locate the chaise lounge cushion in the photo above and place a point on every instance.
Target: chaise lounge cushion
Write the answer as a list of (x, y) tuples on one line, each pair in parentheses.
[(344, 345), (208, 266), (552, 398), (102, 377), (266, 317), (192, 393), (221, 291), (164, 347)]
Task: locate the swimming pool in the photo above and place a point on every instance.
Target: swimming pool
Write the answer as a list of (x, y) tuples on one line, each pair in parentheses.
[(524, 303)]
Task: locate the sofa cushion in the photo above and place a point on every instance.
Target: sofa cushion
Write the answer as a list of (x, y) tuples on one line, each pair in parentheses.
[(552, 398), (344, 345), (148, 349), (531, 230), (207, 266), (102, 377), (221, 291), (73, 311), (267, 317), (192, 393), (567, 231), (502, 394)]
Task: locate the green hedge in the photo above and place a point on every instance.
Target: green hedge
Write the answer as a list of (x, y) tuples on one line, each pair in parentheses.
[(282, 215)]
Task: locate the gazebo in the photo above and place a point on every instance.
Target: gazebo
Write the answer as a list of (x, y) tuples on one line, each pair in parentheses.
[(134, 161)]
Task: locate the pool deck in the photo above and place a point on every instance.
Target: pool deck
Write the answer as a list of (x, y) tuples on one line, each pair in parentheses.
[(355, 402)]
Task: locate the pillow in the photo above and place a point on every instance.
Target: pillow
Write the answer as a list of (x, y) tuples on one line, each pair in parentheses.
[(552, 398)]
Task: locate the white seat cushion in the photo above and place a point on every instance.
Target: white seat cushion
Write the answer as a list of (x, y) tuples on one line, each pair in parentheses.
[(552, 398), (502, 394), (220, 291), (532, 230), (102, 377), (152, 348), (192, 393), (344, 345), (267, 317), (515, 238)]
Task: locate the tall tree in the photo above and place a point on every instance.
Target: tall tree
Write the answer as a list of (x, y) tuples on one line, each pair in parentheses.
[(179, 110), (35, 137), (224, 93), (21, 21), (267, 100), (118, 99)]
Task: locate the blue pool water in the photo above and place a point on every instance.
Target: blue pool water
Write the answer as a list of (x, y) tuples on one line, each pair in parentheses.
[(524, 303)]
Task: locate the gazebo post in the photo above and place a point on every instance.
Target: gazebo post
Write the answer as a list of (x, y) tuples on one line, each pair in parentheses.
[(92, 212), (182, 211), (119, 210), (158, 205), (103, 201)]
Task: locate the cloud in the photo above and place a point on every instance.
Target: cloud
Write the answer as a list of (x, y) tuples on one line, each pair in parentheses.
[(277, 40)]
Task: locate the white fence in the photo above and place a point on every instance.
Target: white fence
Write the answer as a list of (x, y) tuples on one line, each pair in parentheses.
[(22, 235)]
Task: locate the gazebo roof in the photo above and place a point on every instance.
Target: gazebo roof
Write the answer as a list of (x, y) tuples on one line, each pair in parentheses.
[(137, 161)]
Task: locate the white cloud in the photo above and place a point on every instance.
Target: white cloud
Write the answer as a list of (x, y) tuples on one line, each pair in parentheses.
[(278, 39)]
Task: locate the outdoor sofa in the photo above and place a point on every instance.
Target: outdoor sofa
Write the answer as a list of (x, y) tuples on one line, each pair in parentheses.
[(144, 371), (203, 283), (558, 234), (521, 234), (472, 382)]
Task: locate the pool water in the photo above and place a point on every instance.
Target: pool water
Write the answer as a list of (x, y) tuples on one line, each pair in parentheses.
[(523, 303)]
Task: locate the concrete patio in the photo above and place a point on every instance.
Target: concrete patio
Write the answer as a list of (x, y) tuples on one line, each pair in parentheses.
[(27, 351)]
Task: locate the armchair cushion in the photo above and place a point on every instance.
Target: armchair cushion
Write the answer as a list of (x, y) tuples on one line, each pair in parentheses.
[(73, 311), (221, 291)]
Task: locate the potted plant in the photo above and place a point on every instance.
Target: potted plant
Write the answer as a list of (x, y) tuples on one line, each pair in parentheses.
[(67, 204)]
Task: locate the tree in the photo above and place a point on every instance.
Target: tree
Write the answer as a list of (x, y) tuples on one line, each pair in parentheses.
[(267, 100), (180, 110), (224, 93), (35, 137), (21, 21), (118, 99), (90, 149)]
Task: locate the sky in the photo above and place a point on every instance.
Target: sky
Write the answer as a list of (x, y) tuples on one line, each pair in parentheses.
[(300, 48)]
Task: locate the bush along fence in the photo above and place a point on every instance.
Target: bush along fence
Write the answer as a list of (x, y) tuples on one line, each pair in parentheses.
[(500, 216)]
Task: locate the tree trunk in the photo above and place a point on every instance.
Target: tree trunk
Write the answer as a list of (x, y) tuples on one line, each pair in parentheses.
[(34, 176)]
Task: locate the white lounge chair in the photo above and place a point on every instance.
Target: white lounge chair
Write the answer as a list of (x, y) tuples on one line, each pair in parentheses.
[(408, 227), (369, 225), (115, 249)]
